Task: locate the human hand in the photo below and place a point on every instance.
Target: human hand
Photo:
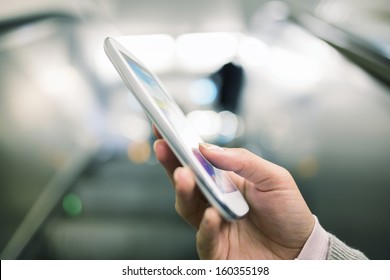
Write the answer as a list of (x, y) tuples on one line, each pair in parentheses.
[(278, 223)]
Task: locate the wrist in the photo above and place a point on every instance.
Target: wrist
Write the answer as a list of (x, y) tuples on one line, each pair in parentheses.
[(317, 245)]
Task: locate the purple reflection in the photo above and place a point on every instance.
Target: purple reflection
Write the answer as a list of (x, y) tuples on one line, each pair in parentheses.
[(206, 165)]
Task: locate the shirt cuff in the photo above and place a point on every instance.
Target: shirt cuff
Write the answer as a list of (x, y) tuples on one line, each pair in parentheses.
[(317, 245)]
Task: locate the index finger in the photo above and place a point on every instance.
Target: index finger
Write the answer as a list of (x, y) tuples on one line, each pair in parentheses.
[(166, 157)]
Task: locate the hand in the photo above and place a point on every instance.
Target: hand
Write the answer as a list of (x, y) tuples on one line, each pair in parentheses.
[(278, 223)]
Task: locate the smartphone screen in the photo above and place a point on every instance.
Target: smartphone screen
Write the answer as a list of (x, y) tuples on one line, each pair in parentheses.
[(167, 107), (179, 123)]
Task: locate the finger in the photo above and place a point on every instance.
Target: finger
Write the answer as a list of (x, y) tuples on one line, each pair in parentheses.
[(166, 157), (207, 237), (156, 132), (244, 163), (190, 203)]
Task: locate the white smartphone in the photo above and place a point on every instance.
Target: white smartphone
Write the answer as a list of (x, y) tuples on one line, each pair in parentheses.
[(171, 122)]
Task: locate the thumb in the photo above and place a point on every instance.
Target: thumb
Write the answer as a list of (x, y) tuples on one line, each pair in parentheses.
[(241, 161), (207, 237)]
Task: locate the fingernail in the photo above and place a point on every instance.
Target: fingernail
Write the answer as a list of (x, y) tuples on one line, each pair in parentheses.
[(212, 147), (178, 174), (155, 145), (205, 221)]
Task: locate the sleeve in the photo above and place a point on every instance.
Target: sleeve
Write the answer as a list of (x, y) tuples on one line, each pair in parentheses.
[(338, 250), (322, 245), (317, 245)]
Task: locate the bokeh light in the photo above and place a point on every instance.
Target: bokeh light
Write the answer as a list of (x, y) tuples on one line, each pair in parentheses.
[(72, 204)]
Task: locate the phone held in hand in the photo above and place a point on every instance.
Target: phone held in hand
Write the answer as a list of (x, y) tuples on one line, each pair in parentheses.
[(181, 137)]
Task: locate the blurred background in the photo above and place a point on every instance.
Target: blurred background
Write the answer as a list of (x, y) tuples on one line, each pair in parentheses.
[(304, 84)]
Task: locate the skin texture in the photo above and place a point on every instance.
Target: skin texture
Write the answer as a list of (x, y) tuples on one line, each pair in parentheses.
[(278, 223)]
